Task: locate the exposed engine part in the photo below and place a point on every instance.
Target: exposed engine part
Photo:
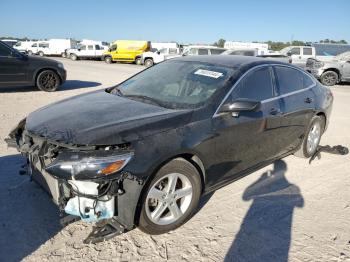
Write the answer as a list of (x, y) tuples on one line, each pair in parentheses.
[(88, 203)]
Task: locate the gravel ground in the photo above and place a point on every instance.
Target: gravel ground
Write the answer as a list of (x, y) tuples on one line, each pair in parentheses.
[(290, 211)]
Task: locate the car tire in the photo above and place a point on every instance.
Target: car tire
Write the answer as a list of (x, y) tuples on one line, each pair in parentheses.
[(329, 78), (173, 211), (74, 57), (48, 81), (108, 59), (41, 53), (30, 52), (63, 55), (149, 62), (138, 61), (311, 138)]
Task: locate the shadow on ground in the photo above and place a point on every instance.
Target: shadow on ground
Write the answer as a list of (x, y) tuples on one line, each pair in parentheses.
[(24, 206), (68, 85), (265, 232)]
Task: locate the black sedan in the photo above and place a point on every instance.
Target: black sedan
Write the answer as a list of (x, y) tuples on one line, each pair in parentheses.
[(143, 153), (17, 69)]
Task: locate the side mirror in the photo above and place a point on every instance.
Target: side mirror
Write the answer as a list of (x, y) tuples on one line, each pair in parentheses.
[(158, 52), (240, 105)]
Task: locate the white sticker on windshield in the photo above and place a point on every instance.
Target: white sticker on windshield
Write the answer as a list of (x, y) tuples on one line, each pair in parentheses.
[(208, 73)]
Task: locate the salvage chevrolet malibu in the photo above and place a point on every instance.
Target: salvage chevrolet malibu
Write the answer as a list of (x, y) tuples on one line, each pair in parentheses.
[(143, 153)]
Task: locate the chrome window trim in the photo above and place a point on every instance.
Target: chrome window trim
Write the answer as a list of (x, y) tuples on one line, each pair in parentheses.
[(272, 98)]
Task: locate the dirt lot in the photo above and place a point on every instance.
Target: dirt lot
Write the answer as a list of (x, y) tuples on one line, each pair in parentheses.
[(294, 211)]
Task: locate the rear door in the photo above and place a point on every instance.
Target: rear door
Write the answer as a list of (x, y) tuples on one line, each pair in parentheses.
[(13, 69), (297, 101), (249, 138)]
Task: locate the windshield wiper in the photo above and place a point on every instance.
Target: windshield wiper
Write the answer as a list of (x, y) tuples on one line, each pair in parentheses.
[(146, 98)]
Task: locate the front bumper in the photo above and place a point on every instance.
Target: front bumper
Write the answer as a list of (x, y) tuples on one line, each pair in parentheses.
[(316, 72)]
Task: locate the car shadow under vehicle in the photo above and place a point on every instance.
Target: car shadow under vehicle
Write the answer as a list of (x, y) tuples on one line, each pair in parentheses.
[(68, 85), (265, 233), (28, 217)]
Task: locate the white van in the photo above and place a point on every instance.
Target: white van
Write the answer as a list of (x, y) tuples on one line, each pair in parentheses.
[(52, 47), (202, 50), (23, 46), (150, 58)]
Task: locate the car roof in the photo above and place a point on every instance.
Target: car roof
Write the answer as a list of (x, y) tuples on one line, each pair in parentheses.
[(233, 61)]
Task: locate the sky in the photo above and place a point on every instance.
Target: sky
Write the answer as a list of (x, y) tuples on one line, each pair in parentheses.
[(182, 21)]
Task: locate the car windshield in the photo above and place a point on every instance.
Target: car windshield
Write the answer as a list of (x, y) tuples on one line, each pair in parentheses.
[(176, 84)]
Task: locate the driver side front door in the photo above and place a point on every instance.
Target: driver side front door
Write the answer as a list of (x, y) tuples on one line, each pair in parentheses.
[(249, 138)]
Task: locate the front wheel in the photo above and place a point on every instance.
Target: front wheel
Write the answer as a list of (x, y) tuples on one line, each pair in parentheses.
[(73, 57), (171, 197), (329, 78), (312, 137), (149, 62), (138, 61), (41, 53), (48, 81)]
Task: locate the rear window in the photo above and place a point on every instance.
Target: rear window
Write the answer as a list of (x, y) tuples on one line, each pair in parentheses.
[(290, 79), (216, 51)]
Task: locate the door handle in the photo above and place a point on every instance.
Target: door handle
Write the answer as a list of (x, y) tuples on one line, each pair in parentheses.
[(308, 100), (274, 111)]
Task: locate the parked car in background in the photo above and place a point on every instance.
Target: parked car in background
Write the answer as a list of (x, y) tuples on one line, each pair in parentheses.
[(10, 42), (144, 152), (150, 58), (202, 50), (129, 51), (261, 48), (23, 46), (299, 54), (254, 52), (17, 69), (330, 72), (52, 47), (161, 45), (89, 51)]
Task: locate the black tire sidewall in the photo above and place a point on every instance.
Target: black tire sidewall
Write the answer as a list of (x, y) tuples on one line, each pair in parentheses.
[(44, 89), (108, 59), (181, 166)]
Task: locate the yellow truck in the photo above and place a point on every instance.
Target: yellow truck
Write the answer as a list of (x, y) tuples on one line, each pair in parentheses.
[(126, 51)]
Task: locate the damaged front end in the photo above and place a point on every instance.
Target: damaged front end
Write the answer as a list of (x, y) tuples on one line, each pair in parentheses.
[(86, 182)]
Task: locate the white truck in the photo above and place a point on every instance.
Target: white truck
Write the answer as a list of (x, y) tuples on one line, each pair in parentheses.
[(150, 58), (22, 46), (262, 49), (89, 51), (160, 46), (299, 54), (52, 47)]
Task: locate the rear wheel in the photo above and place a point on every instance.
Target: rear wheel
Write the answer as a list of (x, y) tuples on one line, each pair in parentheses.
[(138, 61), (48, 81), (108, 60), (74, 57), (41, 53), (329, 78), (149, 62), (64, 55), (171, 197), (312, 137), (30, 52)]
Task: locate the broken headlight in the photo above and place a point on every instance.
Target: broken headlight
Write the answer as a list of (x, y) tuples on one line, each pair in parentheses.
[(83, 165)]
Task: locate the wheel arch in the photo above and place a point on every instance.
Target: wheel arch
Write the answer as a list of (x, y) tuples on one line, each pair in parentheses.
[(333, 69)]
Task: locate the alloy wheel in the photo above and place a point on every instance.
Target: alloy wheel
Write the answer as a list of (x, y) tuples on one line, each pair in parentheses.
[(313, 137), (168, 199), (48, 81)]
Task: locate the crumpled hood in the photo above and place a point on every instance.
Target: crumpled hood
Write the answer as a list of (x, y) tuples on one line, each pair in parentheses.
[(100, 118)]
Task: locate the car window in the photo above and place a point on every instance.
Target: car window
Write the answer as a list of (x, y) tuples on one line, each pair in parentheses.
[(257, 85), (83, 47), (307, 51), (216, 51), (90, 47), (202, 51), (290, 79), (295, 51), (97, 47), (4, 50), (243, 52), (44, 45)]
